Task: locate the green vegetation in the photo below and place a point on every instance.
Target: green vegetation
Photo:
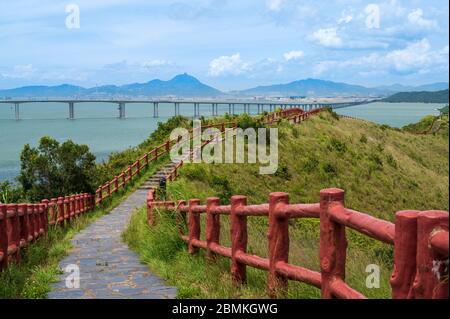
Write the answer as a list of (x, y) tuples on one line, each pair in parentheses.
[(52, 169), (433, 125), (382, 170), (419, 97)]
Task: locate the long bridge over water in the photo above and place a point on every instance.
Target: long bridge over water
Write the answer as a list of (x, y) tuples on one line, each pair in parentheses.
[(260, 105)]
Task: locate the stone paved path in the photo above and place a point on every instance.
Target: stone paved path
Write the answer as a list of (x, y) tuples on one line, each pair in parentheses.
[(108, 268)]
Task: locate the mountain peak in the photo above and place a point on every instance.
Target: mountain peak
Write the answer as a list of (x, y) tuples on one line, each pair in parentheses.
[(184, 78)]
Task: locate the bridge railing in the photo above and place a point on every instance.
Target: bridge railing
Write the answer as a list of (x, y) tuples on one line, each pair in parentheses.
[(420, 241)]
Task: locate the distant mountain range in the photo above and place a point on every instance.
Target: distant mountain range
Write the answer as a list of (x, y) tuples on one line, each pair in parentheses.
[(314, 87), (185, 85), (419, 97), (181, 85)]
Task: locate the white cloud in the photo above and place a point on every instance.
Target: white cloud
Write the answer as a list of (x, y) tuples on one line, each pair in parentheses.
[(416, 18), (274, 5), (417, 57), (223, 65), (293, 55), (327, 37)]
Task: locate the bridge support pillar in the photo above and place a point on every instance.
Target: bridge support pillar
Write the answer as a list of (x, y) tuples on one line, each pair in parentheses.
[(121, 110), (259, 108), (17, 111), (229, 108), (71, 111), (177, 108), (155, 109), (196, 110)]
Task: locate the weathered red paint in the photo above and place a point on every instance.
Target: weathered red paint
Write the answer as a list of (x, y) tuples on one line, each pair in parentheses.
[(194, 226), (405, 250), (3, 237), (431, 279), (278, 237), (238, 238), (212, 225)]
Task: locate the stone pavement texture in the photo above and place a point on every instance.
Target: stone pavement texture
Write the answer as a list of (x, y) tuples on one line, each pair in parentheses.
[(108, 268)]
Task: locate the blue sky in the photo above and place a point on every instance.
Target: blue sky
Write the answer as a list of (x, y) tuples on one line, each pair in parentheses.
[(230, 44)]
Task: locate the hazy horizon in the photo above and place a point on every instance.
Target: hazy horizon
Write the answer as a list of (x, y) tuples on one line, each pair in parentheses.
[(226, 44)]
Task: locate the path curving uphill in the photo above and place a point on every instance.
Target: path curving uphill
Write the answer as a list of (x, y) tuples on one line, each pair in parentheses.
[(108, 268)]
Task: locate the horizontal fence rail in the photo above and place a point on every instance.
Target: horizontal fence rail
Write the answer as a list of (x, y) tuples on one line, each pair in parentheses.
[(420, 241), (22, 224)]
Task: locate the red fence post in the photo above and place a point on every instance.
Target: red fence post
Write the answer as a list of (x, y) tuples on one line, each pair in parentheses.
[(66, 208), (13, 231), (53, 211), (45, 208), (85, 203), (181, 217), (30, 213), (3, 238), (76, 205), (194, 225), (168, 146), (82, 201), (61, 217), (23, 220), (100, 194), (238, 238), (212, 225), (431, 280), (150, 200), (278, 236), (42, 220), (405, 247), (72, 206), (333, 243)]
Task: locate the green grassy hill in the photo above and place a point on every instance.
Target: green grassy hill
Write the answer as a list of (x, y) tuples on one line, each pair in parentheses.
[(382, 170), (419, 97)]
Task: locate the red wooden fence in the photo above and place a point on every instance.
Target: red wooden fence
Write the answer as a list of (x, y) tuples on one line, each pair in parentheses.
[(420, 241), (22, 224)]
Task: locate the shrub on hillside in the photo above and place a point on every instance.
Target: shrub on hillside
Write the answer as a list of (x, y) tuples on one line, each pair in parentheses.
[(52, 169)]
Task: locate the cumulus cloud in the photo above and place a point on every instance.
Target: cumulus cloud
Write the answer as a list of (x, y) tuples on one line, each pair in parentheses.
[(416, 18), (327, 37), (416, 57), (293, 55), (226, 65), (274, 5)]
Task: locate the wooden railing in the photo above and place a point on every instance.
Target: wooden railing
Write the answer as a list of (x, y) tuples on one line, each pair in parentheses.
[(420, 241), (23, 224)]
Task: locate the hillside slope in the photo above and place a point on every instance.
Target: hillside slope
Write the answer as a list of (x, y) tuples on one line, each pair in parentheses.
[(419, 97), (382, 170)]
